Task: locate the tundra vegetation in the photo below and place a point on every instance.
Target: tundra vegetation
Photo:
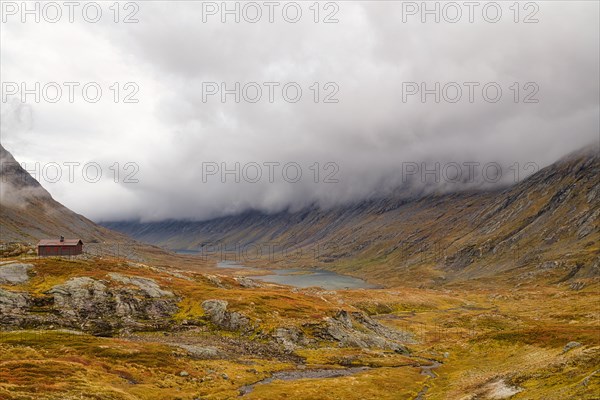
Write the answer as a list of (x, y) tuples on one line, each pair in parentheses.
[(108, 328)]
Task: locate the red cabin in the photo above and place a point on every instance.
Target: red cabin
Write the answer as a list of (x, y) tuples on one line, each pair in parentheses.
[(61, 247)]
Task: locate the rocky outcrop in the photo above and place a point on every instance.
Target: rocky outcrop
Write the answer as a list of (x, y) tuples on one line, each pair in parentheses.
[(355, 329), (146, 285), (14, 274), (198, 352), (216, 311), (216, 281), (347, 329), (463, 258), (81, 298), (290, 338), (93, 305), (13, 307), (247, 282), (570, 346), (15, 249)]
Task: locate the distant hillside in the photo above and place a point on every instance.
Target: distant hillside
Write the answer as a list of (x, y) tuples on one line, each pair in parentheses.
[(548, 221), (29, 213)]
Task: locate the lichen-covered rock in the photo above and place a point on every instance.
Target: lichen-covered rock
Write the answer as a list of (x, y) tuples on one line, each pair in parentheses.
[(13, 307), (577, 285), (199, 352), (247, 282), (216, 281), (15, 249), (356, 329), (146, 285), (13, 302), (92, 305), (570, 346), (82, 298), (549, 265), (14, 273), (216, 311), (290, 338)]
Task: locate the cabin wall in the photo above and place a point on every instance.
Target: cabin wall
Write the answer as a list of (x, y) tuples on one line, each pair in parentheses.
[(49, 251)]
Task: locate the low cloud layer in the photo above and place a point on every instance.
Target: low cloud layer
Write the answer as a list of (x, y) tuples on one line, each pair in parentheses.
[(181, 152)]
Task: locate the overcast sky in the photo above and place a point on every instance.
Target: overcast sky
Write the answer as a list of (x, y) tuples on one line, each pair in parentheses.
[(372, 61)]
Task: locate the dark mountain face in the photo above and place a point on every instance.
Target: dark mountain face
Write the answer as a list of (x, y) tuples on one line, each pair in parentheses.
[(29, 213), (551, 217), (13, 176)]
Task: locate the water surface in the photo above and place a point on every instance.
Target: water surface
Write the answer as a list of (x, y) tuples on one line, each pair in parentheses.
[(303, 278)]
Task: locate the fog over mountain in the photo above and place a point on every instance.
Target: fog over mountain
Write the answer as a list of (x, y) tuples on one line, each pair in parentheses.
[(178, 138)]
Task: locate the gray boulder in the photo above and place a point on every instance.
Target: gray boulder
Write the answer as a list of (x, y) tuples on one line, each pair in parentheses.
[(198, 352), (356, 329), (216, 311), (216, 281), (247, 282), (82, 297), (570, 346), (13, 302), (290, 338), (14, 274), (13, 307), (146, 285)]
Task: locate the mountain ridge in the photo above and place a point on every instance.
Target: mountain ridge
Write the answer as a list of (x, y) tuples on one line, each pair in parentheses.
[(443, 236), (29, 213)]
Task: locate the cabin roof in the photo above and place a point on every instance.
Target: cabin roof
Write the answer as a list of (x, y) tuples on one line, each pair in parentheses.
[(57, 242)]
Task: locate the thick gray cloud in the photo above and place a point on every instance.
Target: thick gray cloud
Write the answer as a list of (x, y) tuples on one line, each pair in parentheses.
[(374, 138)]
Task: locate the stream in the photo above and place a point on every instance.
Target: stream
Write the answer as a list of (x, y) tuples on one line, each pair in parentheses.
[(427, 370), (303, 374), (334, 373)]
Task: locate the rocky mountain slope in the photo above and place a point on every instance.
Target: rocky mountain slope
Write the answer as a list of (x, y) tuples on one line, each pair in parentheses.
[(548, 221), (29, 213)]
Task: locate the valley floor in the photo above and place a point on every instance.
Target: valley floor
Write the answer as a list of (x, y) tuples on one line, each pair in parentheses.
[(277, 342)]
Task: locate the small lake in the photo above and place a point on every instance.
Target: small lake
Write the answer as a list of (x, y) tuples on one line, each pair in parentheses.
[(301, 278), (304, 278), (187, 252)]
